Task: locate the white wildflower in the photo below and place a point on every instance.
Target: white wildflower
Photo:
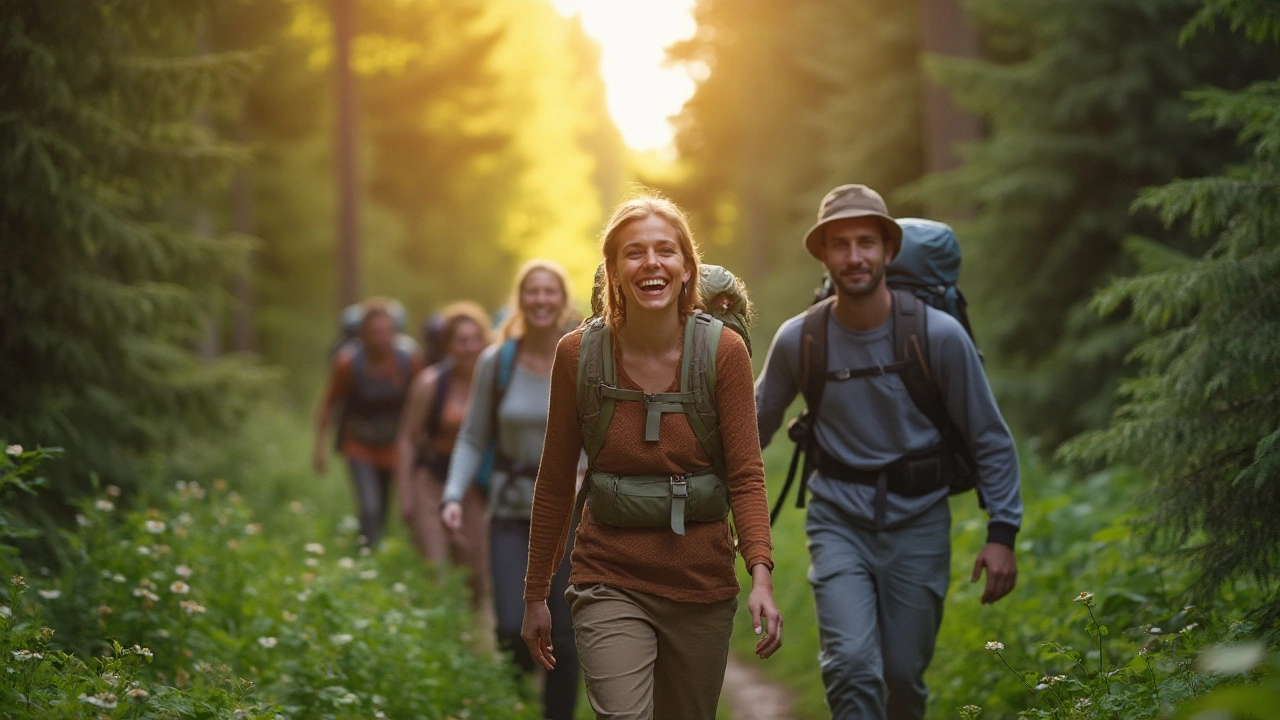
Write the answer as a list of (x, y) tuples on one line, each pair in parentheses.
[(252, 529), (5, 611), (346, 563), (112, 491), (83, 521), (118, 578), (183, 572), (314, 548), (288, 616), (137, 692), (50, 594), (155, 527), (26, 655), (191, 607), (1042, 687), (145, 593), (1084, 598), (994, 646), (267, 642), (400, 587), (13, 450), (368, 574), (144, 550), (106, 701), (347, 699), (1156, 631), (179, 587), (311, 562), (139, 650), (104, 505), (341, 638)]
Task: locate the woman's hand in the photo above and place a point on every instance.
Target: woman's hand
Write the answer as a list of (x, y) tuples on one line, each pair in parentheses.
[(536, 632), (764, 613), (451, 516)]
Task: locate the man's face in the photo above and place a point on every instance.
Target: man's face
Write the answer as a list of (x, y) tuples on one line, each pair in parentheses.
[(853, 250)]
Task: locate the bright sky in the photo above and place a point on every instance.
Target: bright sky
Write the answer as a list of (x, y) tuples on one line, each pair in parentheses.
[(633, 35)]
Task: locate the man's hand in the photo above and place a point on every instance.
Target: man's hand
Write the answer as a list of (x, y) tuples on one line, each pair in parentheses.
[(1002, 571)]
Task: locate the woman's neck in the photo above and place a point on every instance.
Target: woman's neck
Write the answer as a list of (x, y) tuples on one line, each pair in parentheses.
[(651, 333), (541, 341)]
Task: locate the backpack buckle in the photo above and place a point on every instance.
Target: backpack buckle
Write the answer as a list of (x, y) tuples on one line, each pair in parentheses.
[(842, 374), (679, 486)]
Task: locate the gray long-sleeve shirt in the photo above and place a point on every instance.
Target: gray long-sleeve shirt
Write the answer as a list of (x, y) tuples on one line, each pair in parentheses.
[(868, 422), (521, 428)]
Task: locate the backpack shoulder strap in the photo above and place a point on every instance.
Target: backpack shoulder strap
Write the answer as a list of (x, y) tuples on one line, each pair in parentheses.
[(502, 379), (911, 347), (813, 352), (702, 335), (438, 400), (595, 370)]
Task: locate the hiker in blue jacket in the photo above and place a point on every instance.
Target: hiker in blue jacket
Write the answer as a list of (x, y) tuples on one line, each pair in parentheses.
[(878, 524)]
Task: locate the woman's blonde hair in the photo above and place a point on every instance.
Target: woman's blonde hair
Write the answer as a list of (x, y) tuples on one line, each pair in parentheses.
[(639, 206), (456, 314), (515, 325)]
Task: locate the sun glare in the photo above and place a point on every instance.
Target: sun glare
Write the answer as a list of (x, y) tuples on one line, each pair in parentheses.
[(633, 35)]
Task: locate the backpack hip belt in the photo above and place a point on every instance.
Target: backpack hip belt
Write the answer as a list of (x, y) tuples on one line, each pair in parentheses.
[(913, 475)]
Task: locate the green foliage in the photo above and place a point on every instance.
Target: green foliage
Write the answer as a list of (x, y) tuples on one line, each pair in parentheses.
[(191, 608), (1085, 105), (1202, 418), (107, 282)]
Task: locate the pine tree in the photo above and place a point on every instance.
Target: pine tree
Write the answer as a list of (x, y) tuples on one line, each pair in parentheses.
[(104, 286), (1084, 104), (1202, 418)]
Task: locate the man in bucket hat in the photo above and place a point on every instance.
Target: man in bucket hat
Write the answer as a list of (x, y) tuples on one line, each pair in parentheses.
[(879, 523)]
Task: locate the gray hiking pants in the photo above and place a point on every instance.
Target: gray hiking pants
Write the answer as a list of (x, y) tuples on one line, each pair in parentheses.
[(879, 603)]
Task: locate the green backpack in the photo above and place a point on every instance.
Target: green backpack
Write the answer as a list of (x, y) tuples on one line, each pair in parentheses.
[(668, 500)]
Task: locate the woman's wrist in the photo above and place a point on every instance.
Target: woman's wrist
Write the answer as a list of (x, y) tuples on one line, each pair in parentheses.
[(761, 576)]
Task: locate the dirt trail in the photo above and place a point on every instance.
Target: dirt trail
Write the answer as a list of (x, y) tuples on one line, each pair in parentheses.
[(753, 697)]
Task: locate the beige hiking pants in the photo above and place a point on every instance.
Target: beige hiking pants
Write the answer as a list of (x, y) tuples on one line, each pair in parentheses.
[(645, 657)]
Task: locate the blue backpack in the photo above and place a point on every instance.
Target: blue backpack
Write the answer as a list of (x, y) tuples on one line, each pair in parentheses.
[(924, 273)]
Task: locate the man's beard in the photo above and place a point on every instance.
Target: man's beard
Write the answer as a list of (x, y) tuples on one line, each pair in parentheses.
[(858, 290)]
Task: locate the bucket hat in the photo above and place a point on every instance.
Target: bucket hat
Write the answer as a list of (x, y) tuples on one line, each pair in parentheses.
[(852, 201)]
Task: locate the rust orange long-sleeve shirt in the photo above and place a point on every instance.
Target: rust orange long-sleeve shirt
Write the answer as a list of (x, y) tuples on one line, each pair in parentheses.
[(696, 567)]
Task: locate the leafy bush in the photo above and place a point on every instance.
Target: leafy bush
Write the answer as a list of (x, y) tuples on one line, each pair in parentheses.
[(192, 609)]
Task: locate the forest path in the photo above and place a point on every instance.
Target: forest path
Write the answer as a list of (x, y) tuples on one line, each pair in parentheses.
[(751, 696)]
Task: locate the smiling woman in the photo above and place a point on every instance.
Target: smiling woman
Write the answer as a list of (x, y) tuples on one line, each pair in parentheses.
[(643, 91)]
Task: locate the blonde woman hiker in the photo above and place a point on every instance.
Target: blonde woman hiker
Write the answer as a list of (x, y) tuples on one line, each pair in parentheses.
[(507, 421), (433, 417), (653, 591)]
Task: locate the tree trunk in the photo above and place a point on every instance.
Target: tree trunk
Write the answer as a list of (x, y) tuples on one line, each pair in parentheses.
[(944, 30), (345, 153)]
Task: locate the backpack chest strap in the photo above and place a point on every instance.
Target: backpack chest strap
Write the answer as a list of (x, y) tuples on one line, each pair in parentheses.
[(655, 405)]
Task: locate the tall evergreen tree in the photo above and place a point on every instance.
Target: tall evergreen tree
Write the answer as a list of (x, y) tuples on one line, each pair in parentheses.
[(1084, 103), (1202, 418), (104, 286)]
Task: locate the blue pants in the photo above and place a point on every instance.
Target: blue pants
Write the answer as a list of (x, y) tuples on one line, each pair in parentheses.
[(371, 487), (879, 600), (509, 558)]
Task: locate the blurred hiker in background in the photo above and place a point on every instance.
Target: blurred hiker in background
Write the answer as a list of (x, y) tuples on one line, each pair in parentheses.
[(433, 416), (368, 383), (508, 421)]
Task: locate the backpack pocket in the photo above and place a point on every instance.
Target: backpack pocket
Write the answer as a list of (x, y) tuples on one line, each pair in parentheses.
[(640, 501)]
